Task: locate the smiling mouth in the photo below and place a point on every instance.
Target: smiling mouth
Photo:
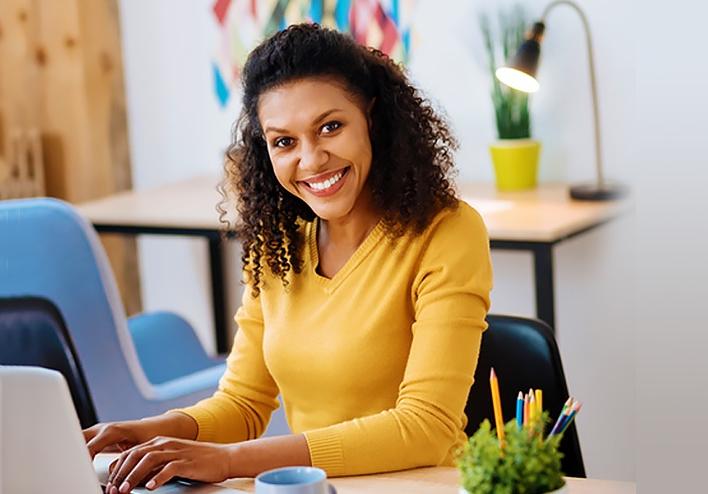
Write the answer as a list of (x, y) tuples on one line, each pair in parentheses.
[(329, 183)]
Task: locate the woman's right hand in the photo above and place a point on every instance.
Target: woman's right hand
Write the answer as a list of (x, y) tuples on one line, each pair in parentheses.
[(119, 436)]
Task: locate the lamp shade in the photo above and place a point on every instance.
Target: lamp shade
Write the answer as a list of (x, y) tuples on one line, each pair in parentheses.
[(517, 79), (521, 72)]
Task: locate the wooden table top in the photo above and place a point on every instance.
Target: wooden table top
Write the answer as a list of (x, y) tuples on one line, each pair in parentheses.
[(544, 214), (434, 480), (438, 480)]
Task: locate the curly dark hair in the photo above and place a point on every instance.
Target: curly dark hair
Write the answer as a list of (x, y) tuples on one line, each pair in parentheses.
[(412, 161)]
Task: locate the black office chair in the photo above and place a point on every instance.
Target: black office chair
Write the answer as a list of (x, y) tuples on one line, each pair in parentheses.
[(33, 333), (524, 355)]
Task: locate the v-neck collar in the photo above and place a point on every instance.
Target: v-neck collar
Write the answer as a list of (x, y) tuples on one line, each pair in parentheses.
[(331, 284)]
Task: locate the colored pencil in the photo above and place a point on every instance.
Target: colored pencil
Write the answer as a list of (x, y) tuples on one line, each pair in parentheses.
[(496, 402), (526, 410), (539, 402), (568, 403), (573, 412), (564, 413), (532, 406), (520, 410)]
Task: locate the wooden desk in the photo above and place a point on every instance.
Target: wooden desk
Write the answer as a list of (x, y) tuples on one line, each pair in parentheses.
[(436, 480), (439, 480), (536, 221), (533, 221)]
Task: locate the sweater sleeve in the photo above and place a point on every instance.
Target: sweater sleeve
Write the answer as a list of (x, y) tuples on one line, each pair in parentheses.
[(450, 294), (247, 394)]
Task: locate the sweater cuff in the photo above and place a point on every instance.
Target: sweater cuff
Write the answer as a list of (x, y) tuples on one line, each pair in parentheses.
[(325, 447), (205, 422)]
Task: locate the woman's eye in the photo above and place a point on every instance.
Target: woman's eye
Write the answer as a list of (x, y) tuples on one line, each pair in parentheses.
[(282, 142), (331, 127)]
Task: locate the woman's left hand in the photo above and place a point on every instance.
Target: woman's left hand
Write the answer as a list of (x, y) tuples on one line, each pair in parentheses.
[(162, 458)]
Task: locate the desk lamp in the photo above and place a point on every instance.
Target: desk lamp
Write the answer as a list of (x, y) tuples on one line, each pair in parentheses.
[(521, 75)]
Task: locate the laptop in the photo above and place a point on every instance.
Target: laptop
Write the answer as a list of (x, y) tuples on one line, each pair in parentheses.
[(42, 448)]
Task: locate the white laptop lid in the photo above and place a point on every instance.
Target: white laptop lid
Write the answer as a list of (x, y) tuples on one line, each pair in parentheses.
[(43, 449), (42, 446)]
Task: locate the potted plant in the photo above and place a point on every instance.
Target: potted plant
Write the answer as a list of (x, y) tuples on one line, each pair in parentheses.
[(527, 463), (515, 154)]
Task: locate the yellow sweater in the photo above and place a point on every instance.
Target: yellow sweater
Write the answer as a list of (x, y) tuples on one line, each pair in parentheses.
[(374, 365)]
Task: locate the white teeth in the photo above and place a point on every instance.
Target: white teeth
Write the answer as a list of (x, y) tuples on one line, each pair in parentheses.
[(327, 183)]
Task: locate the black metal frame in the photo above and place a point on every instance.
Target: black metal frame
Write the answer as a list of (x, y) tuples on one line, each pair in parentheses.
[(542, 263), (544, 285), (542, 253)]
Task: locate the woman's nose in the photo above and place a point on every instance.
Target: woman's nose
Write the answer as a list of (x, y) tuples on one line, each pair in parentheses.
[(313, 156)]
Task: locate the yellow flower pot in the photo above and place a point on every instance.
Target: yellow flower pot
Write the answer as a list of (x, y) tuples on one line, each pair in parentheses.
[(515, 163)]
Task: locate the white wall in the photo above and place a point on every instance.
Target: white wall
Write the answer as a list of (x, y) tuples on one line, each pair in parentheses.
[(672, 173), (177, 130)]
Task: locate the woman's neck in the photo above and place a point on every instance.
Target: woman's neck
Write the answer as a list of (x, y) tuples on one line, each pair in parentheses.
[(350, 231)]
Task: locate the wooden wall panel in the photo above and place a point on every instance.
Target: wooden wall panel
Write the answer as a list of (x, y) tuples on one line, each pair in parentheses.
[(61, 71)]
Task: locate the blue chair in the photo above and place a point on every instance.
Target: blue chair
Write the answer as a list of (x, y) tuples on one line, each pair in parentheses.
[(185, 356), (48, 251)]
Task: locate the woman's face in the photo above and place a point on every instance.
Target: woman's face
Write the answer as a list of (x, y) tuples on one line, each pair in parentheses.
[(318, 142)]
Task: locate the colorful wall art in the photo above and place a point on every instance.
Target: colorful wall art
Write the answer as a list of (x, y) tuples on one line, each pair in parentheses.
[(242, 24)]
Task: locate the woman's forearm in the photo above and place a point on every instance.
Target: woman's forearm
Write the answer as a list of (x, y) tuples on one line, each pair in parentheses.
[(250, 458), (174, 424), (247, 458)]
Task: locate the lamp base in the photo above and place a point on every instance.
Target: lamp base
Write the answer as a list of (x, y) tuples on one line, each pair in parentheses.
[(597, 192)]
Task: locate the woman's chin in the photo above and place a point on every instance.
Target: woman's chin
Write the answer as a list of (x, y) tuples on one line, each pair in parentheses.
[(330, 212)]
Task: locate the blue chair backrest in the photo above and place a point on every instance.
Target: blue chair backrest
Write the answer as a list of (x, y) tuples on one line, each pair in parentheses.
[(47, 250)]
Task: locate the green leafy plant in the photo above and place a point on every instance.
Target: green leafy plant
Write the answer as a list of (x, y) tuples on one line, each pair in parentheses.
[(527, 464), (511, 107)]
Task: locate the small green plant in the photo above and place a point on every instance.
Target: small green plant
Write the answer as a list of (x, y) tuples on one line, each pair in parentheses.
[(511, 107), (528, 463)]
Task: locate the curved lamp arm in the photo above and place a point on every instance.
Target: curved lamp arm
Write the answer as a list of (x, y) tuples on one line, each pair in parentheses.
[(593, 83)]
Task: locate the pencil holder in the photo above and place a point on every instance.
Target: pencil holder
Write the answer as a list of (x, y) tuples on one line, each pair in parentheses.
[(524, 462)]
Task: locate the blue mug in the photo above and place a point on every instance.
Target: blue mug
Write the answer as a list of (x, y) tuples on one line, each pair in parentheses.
[(293, 480)]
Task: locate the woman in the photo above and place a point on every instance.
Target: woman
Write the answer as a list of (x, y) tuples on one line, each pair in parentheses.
[(367, 281)]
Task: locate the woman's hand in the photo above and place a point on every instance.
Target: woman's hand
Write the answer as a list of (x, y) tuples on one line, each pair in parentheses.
[(162, 458), (117, 436), (120, 436)]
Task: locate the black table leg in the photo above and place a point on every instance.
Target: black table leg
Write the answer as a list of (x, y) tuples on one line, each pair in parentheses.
[(543, 276), (218, 293)]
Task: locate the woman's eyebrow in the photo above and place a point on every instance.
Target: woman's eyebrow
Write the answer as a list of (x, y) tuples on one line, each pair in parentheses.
[(325, 115), (321, 117)]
